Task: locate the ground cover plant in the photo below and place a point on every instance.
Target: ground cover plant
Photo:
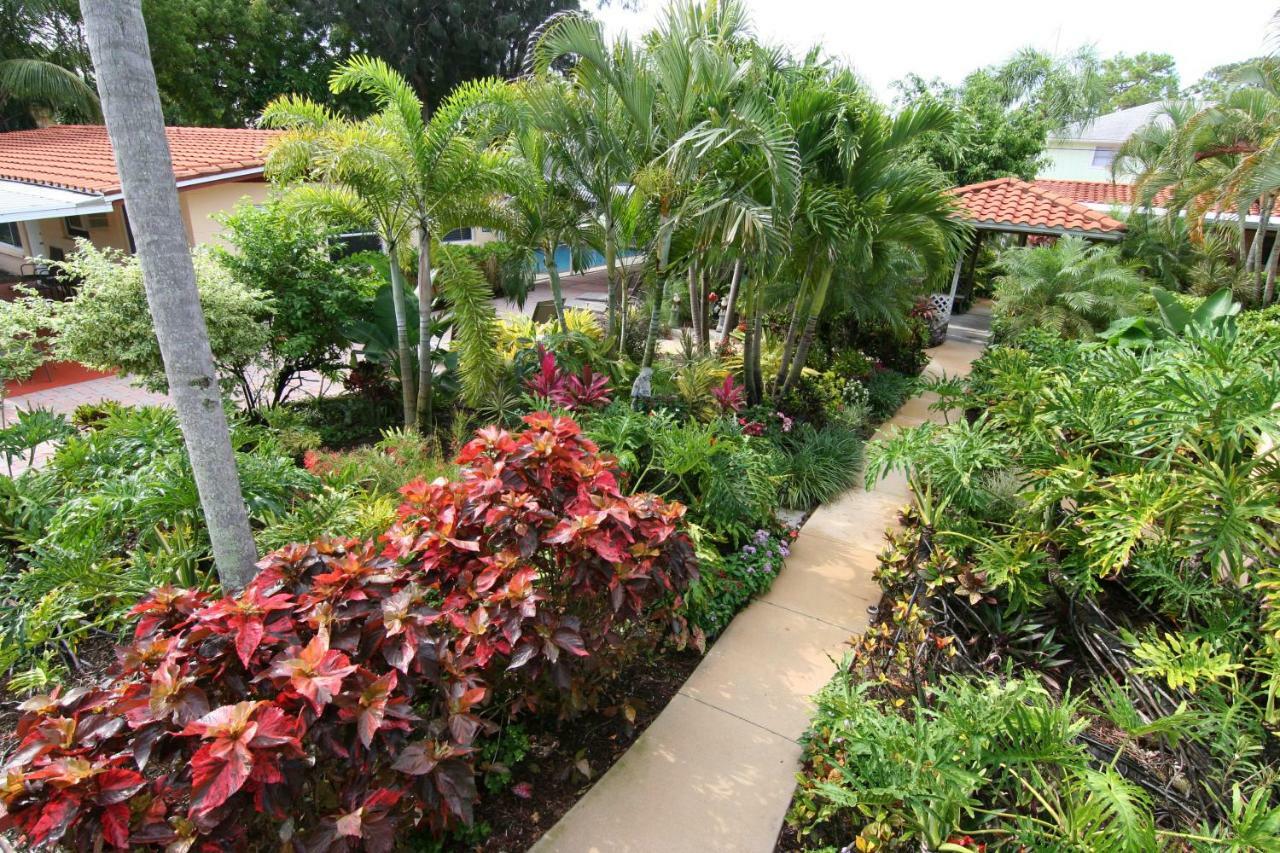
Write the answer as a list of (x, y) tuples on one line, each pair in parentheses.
[(1077, 643)]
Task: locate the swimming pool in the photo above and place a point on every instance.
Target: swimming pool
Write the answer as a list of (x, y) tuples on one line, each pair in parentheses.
[(590, 258)]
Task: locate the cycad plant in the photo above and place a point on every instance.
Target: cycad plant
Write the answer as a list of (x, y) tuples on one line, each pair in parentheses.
[(1072, 288)]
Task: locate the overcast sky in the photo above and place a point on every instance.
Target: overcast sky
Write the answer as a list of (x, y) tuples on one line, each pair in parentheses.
[(886, 39)]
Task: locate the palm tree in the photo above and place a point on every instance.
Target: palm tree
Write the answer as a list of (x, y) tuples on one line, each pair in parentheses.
[(131, 104), (1222, 158), (412, 179), (681, 99), (555, 209), (865, 200), (1073, 287), (450, 173), (35, 80), (355, 179)]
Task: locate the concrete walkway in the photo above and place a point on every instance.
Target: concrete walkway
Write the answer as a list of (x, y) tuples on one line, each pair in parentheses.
[(716, 769)]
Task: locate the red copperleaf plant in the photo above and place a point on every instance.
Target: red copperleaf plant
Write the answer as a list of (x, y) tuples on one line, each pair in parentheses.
[(336, 702)]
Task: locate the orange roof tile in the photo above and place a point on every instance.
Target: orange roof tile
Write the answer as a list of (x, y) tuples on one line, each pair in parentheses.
[(1089, 192), (79, 157), (1014, 202)]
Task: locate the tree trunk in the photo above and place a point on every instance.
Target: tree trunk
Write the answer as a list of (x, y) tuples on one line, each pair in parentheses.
[(704, 315), (806, 340), (659, 285), (557, 298), (1259, 241), (731, 306), (755, 392), (117, 39), (426, 297), (694, 327), (617, 294), (1269, 292), (403, 350), (789, 343)]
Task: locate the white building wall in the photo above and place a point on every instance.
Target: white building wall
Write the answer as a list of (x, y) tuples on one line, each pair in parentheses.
[(1073, 162)]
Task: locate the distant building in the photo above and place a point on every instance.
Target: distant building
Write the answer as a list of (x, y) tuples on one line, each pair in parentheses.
[(59, 183), (1085, 151)]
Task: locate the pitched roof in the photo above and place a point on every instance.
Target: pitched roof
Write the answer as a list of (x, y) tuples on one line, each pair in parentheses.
[(1020, 206), (1114, 127), (1089, 192), (79, 157)]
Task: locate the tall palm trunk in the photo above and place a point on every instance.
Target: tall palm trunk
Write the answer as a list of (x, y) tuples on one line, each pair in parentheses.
[(1259, 241), (1269, 291), (403, 349), (755, 333), (617, 304), (657, 291), (117, 39), (798, 310), (810, 327), (731, 305), (694, 325), (426, 298), (553, 276)]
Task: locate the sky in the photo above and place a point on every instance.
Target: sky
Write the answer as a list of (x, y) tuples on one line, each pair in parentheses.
[(886, 39)]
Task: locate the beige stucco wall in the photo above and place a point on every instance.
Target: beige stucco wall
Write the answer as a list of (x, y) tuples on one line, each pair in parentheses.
[(200, 204), (39, 236)]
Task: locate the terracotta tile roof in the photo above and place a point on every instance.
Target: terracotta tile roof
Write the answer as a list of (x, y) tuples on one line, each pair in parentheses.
[(1014, 202), (79, 157), (1089, 192)]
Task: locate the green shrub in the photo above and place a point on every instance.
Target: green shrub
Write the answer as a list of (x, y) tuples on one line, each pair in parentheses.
[(346, 420), (107, 326), (727, 583), (820, 465), (113, 513), (887, 390)]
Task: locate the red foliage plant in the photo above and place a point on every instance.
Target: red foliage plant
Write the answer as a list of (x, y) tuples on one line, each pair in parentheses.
[(552, 383), (729, 396), (336, 702)]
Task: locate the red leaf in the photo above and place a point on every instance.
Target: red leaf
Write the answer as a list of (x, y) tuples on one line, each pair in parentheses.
[(55, 818), (219, 770), (523, 790), (115, 825), (248, 637)]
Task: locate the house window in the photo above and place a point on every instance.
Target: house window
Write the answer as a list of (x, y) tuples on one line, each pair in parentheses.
[(458, 235), (77, 227), (9, 235), (1103, 157)]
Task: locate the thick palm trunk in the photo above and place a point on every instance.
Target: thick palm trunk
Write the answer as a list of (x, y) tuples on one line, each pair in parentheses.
[(426, 297), (117, 39), (403, 349)]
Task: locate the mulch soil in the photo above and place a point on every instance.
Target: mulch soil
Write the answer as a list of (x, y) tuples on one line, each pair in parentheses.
[(554, 768)]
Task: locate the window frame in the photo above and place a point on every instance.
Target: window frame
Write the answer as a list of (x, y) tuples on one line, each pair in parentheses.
[(7, 228)]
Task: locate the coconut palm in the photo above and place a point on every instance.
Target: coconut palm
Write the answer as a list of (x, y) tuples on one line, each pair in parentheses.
[(1074, 288)]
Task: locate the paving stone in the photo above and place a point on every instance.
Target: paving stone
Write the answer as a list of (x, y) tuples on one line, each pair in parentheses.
[(829, 581), (767, 665), (698, 779)]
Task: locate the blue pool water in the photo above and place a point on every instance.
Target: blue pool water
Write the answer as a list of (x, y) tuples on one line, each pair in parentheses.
[(590, 258)]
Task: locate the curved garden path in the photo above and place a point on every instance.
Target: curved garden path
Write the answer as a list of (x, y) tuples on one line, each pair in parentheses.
[(716, 769)]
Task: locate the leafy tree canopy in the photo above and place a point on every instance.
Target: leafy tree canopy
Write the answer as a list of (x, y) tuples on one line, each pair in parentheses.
[(1139, 79)]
